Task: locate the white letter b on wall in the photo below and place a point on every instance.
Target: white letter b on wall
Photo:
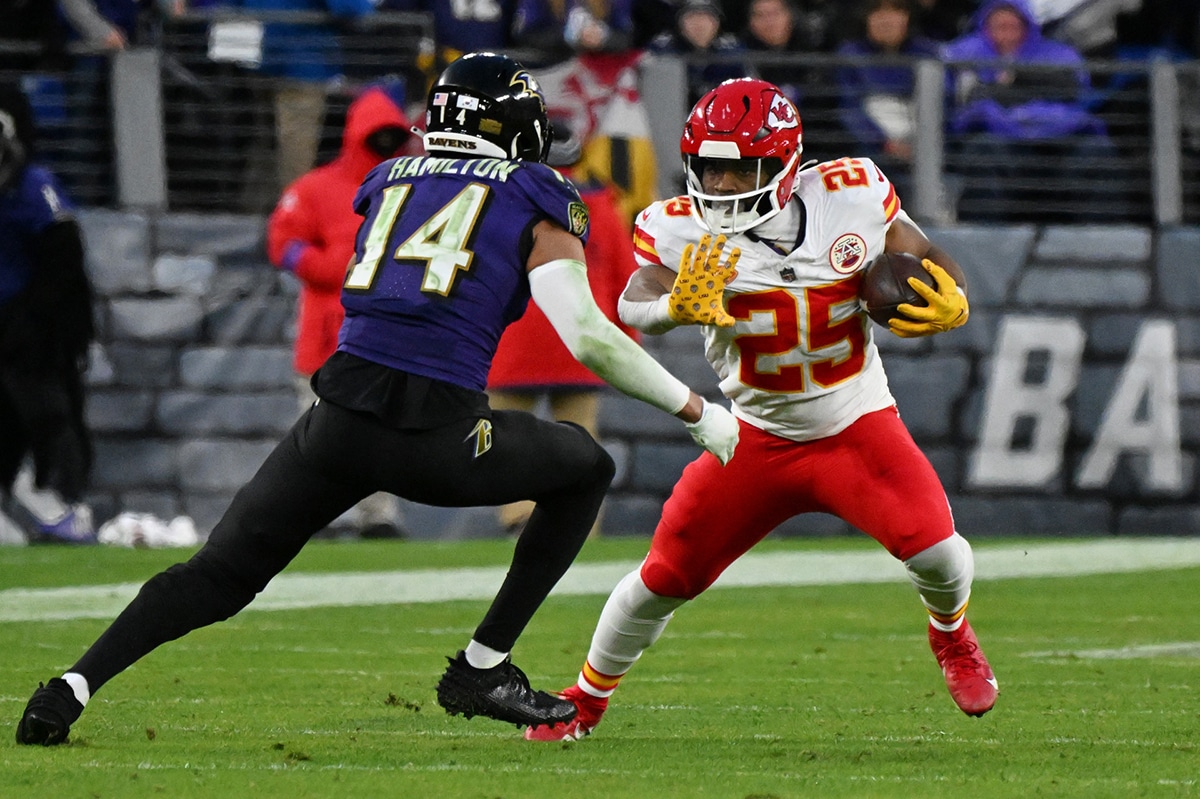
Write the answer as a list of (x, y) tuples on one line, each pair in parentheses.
[(1015, 398)]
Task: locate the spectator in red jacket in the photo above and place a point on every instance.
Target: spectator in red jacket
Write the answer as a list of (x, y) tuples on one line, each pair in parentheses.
[(311, 234), (531, 361)]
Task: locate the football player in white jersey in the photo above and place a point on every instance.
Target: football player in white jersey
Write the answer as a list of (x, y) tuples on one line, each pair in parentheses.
[(795, 353)]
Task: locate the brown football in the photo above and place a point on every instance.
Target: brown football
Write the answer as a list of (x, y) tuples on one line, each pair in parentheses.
[(885, 285)]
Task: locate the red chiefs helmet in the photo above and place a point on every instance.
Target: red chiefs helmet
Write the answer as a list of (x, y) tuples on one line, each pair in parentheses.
[(742, 119)]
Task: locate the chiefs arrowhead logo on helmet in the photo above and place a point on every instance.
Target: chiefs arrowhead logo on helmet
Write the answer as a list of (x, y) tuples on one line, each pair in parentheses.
[(782, 114)]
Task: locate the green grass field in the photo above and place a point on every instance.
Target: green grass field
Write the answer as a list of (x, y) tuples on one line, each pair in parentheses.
[(826, 691)]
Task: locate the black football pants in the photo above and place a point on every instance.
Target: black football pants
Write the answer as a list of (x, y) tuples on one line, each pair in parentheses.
[(330, 460)]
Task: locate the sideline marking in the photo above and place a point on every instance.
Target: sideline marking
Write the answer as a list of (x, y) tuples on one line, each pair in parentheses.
[(1187, 649), (344, 589)]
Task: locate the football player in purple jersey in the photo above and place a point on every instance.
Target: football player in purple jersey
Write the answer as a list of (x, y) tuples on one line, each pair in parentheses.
[(452, 247)]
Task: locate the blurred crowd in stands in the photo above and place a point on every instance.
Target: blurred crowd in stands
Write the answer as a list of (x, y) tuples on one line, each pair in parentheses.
[(560, 29), (590, 51)]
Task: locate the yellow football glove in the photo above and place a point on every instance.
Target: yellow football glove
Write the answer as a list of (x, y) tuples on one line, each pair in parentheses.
[(947, 308), (697, 298)]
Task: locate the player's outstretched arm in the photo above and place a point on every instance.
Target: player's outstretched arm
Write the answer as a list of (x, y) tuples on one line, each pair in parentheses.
[(657, 299), (561, 290)]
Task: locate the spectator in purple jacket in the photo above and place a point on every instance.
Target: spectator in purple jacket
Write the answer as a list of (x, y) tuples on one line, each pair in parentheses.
[(1018, 119), (1006, 100)]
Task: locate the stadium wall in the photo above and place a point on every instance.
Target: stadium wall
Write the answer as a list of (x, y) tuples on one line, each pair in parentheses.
[(1069, 405)]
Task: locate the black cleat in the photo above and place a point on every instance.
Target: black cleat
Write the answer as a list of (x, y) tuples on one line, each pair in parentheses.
[(500, 693), (49, 715)]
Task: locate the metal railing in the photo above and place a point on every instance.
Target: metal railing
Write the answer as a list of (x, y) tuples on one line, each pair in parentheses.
[(227, 81), (190, 122), (1143, 167)]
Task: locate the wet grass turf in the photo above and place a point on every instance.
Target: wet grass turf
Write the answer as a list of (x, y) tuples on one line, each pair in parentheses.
[(752, 692)]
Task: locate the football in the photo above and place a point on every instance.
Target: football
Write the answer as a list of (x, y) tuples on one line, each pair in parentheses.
[(885, 285)]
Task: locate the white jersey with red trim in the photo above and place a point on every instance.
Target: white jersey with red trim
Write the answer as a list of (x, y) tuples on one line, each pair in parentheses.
[(801, 362)]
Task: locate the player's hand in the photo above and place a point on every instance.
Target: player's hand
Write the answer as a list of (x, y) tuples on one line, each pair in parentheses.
[(716, 430), (697, 298), (947, 308)]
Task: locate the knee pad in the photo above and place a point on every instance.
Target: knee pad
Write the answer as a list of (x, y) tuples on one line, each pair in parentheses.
[(632, 620), (943, 574), (605, 467)]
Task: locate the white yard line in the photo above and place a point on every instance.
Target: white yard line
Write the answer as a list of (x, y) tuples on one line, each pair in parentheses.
[(1179, 649), (300, 590)]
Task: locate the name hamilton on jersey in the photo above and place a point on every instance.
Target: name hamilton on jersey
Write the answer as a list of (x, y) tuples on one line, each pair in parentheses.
[(485, 168)]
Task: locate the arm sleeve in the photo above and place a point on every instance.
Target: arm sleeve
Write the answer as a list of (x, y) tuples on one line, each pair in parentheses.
[(324, 268), (288, 222), (648, 316), (560, 288)]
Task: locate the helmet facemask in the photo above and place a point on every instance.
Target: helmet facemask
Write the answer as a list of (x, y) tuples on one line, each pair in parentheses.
[(737, 213)]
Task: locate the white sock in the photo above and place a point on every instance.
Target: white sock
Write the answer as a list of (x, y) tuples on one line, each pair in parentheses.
[(79, 685), (947, 628), (483, 657), (632, 620)]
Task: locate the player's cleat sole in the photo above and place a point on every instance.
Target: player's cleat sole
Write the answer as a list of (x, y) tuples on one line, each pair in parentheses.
[(500, 693), (49, 714), (969, 678), (590, 708)]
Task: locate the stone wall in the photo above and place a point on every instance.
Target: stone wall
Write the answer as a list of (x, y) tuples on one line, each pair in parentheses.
[(191, 383)]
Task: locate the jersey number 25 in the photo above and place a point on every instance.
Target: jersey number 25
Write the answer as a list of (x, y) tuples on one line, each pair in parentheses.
[(788, 334)]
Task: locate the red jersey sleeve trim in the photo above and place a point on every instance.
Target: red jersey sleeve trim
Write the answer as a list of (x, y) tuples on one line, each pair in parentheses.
[(891, 204), (643, 245)]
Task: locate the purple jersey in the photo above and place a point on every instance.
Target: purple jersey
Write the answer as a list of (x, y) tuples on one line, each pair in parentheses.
[(439, 267), (26, 209)]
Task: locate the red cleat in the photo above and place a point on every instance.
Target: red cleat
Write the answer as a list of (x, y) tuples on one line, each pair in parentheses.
[(591, 708), (970, 679)]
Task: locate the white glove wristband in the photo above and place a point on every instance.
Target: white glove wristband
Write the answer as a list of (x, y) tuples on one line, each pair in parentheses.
[(716, 430), (648, 316)]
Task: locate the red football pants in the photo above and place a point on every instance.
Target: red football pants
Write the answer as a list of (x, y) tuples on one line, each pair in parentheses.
[(871, 475)]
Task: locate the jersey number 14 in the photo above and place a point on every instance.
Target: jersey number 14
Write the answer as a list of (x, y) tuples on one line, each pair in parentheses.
[(440, 243)]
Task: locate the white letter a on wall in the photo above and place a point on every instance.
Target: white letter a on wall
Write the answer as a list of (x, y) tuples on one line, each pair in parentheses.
[(1142, 417), (998, 461)]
